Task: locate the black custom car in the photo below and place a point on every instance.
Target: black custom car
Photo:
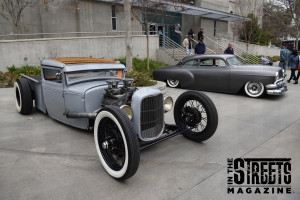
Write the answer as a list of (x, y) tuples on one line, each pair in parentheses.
[(223, 73)]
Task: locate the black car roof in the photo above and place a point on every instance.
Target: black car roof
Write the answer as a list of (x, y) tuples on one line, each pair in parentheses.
[(224, 56)]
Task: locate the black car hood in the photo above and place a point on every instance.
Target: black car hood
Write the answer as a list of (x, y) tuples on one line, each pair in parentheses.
[(259, 67), (170, 67)]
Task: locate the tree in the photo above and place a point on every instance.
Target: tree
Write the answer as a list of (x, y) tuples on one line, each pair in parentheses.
[(246, 8), (253, 33), (11, 10), (150, 10), (127, 13), (276, 21), (293, 10)]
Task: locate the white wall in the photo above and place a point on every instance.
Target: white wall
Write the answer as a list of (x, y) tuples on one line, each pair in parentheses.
[(32, 52), (259, 50), (60, 16)]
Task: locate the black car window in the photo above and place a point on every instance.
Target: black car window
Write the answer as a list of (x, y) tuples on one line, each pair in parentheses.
[(234, 61), (53, 75), (191, 63), (207, 62), (220, 63)]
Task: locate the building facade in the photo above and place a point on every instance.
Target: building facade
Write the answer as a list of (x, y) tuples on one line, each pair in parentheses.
[(60, 16)]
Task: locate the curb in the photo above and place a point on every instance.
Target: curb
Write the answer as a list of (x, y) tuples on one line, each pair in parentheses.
[(159, 85)]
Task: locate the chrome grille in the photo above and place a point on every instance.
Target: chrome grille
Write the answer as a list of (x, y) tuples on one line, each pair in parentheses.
[(152, 116)]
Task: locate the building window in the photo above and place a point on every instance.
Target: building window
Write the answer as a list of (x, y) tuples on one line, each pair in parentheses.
[(215, 28), (113, 18)]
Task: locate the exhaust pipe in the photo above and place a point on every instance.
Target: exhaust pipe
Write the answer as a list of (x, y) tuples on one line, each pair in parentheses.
[(81, 115)]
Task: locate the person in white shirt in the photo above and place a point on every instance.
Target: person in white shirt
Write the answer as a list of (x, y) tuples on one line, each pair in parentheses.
[(187, 44)]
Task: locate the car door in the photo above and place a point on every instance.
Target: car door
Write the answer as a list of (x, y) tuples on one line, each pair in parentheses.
[(212, 74), (53, 93), (191, 66)]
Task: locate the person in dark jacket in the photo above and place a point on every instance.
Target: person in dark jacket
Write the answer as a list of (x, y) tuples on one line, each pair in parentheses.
[(191, 32), (284, 58), (201, 34), (200, 47), (229, 50), (293, 64)]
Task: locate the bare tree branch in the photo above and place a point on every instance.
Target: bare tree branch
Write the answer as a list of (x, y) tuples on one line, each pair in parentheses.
[(150, 10), (11, 10)]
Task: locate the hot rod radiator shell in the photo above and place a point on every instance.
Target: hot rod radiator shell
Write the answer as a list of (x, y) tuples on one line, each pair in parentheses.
[(148, 113)]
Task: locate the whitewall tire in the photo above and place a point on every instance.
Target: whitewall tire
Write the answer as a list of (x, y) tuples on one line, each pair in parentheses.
[(116, 143), (254, 89), (173, 83)]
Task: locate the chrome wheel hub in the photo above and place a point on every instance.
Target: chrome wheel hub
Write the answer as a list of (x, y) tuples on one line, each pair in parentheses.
[(254, 88), (173, 83), (105, 145)]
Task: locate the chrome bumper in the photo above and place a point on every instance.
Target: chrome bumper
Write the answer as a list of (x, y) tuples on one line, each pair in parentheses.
[(278, 88)]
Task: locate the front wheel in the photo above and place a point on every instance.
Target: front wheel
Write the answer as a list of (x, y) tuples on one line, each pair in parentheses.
[(254, 89), (116, 143), (173, 83), (198, 113)]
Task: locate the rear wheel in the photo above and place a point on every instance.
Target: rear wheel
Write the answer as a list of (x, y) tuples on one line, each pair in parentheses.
[(173, 83), (197, 112), (254, 89), (116, 143), (23, 96)]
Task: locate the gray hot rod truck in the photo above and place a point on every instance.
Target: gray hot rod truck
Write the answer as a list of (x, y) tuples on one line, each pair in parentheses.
[(90, 93)]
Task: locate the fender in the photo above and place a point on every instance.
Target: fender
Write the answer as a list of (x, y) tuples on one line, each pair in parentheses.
[(185, 77), (237, 83)]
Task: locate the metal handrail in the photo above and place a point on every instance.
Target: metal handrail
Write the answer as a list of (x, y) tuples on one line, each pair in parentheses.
[(239, 52), (176, 50), (69, 34), (207, 49), (171, 47)]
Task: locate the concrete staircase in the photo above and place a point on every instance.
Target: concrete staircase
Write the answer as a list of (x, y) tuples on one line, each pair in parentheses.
[(170, 52)]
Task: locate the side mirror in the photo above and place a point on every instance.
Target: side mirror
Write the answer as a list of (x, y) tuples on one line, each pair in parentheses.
[(58, 76)]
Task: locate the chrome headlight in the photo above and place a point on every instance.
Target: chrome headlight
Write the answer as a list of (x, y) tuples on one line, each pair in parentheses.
[(168, 103), (128, 110), (276, 76)]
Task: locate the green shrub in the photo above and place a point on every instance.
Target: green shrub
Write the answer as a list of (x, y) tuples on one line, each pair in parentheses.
[(275, 58), (142, 79), (26, 70), (140, 65), (8, 78), (139, 71)]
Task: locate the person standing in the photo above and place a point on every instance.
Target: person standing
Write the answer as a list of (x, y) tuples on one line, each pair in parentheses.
[(298, 74), (200, 47), (201, 34), (178, 33), (229, 49), (187, 44), (191, 32), (284, 58), (294, 63)]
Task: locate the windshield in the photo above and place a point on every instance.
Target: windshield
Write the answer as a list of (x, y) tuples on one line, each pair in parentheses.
[(82, 76), (234, 61)]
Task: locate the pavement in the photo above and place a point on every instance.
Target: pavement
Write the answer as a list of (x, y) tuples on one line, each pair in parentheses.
[(41, 158)]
